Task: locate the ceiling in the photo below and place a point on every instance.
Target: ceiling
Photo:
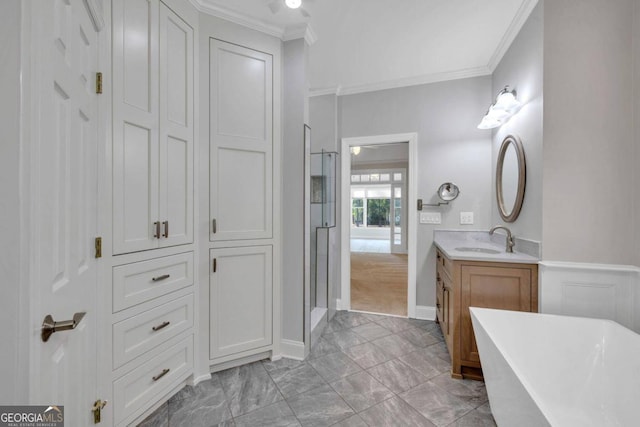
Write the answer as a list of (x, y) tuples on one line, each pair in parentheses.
[(365, 45)]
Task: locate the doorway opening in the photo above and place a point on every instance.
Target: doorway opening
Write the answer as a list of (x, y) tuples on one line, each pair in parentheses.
[(378, 264)]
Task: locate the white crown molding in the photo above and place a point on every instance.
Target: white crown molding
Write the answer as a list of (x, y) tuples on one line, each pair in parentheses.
[(404, 82), (300, 32), (516, 25), (210, 8)]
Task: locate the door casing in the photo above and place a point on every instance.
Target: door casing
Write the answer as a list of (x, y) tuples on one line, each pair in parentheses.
[(412, 217)]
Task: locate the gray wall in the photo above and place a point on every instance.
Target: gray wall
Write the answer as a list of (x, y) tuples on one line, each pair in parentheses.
[(450, 148), (323, 119), (13, 364), (294, 118), (588, 215), (323, 114), (521, 69)]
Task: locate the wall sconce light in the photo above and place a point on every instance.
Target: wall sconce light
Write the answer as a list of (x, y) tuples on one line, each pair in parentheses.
[(293, 4), (355, 150), (505, 106)]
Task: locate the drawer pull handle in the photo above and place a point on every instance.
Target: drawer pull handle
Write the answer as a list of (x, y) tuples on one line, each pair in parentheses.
[(160, 278), (161, 326), (166, 229), (157, 227), (164, 372)]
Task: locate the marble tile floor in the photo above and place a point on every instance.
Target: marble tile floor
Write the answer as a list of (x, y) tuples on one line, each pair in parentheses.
[(366, 370)]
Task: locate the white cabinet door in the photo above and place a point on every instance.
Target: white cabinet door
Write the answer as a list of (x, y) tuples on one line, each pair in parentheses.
[(241, 142), (176, 129), (135, 124), (152, 127), (240, 300)]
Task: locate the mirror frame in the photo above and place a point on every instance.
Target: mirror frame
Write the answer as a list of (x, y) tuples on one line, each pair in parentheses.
[(522, 178), (451, 188)]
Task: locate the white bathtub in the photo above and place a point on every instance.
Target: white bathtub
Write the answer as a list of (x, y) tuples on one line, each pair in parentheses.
[(543, 369)]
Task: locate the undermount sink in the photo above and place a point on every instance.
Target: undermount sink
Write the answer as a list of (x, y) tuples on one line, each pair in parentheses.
[(481, 250)]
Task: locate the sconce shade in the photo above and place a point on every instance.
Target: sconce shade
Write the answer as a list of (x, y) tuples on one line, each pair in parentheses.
[(505, 106), (507, 101), (489, 122)]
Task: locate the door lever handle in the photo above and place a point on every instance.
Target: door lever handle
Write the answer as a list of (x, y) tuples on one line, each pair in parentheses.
[(49, 326)]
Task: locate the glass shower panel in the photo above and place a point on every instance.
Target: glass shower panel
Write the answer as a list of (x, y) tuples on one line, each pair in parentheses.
[(323, 220)]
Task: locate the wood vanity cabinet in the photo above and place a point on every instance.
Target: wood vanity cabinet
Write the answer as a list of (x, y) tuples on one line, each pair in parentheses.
[(463, 284)]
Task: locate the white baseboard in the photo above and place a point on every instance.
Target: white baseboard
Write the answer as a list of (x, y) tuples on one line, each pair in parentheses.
[(197, 380), (424, 312), (292, 349)]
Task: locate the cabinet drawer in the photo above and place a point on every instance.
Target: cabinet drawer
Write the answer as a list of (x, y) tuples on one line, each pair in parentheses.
[(142, 281), (139, 334), (140, 386)]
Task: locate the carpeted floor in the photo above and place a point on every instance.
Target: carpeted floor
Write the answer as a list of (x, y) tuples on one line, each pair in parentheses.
[(379, 283)]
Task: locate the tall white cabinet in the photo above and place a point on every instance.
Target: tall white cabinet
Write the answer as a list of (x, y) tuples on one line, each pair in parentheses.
[(152, 306), (242, 236)]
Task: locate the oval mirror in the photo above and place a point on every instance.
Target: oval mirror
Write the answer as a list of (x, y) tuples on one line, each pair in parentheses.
[(448, 191), (510, 178)]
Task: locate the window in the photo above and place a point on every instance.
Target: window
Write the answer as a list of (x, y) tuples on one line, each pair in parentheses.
[(378, 212), (357, 212)]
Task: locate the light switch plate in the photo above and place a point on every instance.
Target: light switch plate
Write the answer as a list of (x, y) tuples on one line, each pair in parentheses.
[(430, 218), (466, 218)]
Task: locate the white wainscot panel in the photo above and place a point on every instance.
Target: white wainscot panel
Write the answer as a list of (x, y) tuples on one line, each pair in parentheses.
[(591, 290)]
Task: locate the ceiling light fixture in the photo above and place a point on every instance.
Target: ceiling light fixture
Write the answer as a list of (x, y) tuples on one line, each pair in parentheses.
[(293, 4), (505, 106)]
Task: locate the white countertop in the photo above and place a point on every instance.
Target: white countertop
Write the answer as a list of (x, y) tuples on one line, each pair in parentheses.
[(449, 241)]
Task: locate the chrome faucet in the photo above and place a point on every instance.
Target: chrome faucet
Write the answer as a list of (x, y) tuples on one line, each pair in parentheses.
[(510, 243)]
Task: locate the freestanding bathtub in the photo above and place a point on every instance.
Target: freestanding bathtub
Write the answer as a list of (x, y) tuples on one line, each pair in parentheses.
[(561, 371)]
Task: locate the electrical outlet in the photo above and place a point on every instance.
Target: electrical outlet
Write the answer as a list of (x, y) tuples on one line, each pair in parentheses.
[(430, 218), (466, 218)]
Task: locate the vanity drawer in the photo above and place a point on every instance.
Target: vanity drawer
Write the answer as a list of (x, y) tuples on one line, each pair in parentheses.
[(142, 385), (136, 335), (142, 281)]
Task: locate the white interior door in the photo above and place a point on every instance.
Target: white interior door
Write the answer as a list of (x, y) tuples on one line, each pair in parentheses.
[(64, 52)]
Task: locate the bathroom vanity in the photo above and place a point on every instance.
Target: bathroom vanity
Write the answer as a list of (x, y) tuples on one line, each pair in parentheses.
[(475, 271)]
